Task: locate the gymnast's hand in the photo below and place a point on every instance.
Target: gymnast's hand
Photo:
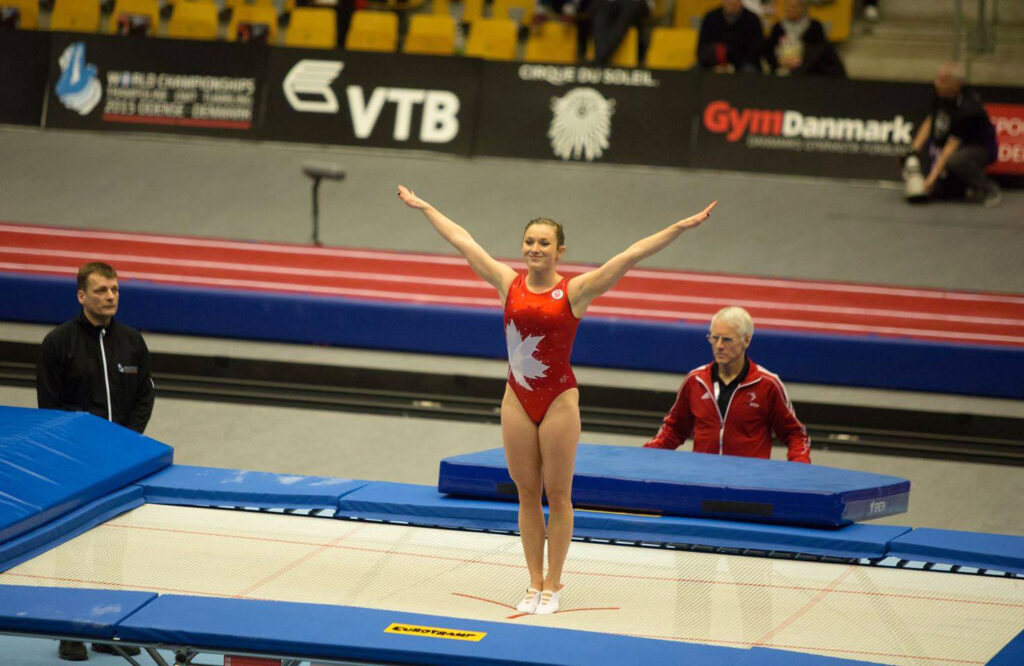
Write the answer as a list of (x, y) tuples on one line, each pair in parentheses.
[(695, 220), (410, 199)]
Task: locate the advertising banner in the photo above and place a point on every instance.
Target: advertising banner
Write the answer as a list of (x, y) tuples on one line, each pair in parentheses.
[(373, 99), (586, 114), (1005, 108), (811, 126), (123, 83), (24, 65)]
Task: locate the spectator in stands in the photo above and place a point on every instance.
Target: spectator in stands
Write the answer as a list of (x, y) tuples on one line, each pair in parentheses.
[(871, 10), (612, 19), (732, 405), (94, 364), (797, 45), (573, 11), (957, 141), (731, 39)]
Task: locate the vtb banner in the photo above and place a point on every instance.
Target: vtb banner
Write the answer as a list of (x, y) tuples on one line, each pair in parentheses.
[(113, 82), (811, 126), (586, 114), (372, 99)]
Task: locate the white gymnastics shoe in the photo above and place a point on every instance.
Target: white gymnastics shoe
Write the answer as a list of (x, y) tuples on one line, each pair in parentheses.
[(529, 602), (548, 602)]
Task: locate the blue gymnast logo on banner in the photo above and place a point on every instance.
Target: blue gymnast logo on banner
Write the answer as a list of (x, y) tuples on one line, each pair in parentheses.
[(78, 88)]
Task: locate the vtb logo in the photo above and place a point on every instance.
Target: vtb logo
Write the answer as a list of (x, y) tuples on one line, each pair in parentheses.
[(307, 87)]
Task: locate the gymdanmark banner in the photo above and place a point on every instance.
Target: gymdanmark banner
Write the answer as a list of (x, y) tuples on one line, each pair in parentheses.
[(814, 126), (128, 83), (23, 69), (373, 99), (586, 114)]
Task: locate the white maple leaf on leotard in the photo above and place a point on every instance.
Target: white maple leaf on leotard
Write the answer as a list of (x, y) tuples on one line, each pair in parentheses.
[(520, 356)]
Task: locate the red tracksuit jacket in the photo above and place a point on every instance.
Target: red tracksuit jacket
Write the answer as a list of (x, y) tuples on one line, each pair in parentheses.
[(757, 407)]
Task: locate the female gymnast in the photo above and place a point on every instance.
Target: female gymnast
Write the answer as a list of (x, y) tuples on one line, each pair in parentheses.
[(540, 413)]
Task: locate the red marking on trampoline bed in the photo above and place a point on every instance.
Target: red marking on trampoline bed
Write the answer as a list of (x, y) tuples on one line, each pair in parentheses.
[(519, 615), (85, 581), (786, 304), (915, 597), (292, 565), (490, 601), (183, 122), (811, 603)]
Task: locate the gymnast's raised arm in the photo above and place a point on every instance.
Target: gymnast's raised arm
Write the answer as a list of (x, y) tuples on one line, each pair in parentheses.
[(495, 273), (586, 287)]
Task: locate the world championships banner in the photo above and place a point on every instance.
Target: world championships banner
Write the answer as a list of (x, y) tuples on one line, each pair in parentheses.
[(811, 126), (586, 114), (24, 58), (123, 83), (373, 99)]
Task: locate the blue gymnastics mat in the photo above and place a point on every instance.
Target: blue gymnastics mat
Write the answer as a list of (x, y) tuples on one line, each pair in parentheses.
[(680, 483), (54, 462)]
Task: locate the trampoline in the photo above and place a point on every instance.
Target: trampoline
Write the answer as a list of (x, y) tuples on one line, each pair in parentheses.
[(307, 568)]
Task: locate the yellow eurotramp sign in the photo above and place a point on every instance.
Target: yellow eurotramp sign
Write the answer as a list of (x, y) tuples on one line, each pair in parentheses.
[(434, 632)]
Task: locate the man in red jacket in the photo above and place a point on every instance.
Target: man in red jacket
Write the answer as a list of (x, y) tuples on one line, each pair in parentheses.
[(732, 406)]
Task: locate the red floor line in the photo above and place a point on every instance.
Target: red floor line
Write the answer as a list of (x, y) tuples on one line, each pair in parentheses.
[(595, 309), (797, 284), (477, 285)]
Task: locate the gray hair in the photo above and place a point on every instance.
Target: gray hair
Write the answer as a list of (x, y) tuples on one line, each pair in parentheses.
[(954, 70), (738, 318)]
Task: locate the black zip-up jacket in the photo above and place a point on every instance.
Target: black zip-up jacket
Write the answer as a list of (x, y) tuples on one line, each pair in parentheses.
[(69, 373)]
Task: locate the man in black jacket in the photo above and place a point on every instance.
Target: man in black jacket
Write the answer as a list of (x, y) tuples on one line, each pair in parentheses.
[(94, 364), (730, 39)]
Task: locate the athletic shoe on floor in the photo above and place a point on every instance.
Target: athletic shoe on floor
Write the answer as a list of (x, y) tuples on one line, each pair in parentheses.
[(993, 195), (529, 602), (72, 651), (548, 602), (871, 14)]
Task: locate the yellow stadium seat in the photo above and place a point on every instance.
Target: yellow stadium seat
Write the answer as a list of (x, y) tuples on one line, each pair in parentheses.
[(126, 10), (472, 10), (672, 48), (517, 10), (193, 19), (28, 12), (440, 8), (554, 42), (626, 53), (243, 16), (75, 16), (430, 34), (231, 4), (372, 31), (312, 27), (492, 39), (690, 13), (835, 17)]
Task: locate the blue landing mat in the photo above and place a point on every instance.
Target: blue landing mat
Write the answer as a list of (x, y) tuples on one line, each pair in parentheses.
[(681, 483), (423, 505), (53, 462)]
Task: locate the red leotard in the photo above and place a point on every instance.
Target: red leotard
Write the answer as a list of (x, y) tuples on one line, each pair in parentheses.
[(539, 332)]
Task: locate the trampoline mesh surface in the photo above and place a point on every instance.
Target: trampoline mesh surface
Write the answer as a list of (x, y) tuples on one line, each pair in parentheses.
[(875, 614)]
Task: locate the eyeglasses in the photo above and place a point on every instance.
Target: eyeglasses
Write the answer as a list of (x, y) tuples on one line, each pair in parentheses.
[(715, 339)]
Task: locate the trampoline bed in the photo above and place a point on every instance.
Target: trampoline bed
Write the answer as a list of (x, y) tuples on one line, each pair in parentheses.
[(313, 568)]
